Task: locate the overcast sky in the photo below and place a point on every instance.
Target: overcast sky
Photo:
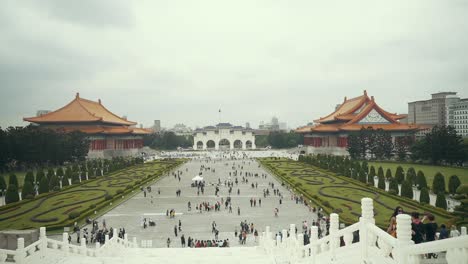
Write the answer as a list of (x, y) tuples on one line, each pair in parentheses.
[(181, 61)]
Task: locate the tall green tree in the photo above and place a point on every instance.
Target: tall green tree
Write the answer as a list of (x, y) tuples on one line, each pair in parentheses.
[(406, 189), (39, 175), (441, 201), (54, 183), (362, 176), (438, 183), (75, 177), (399, 175), (381, 183), (388, 174), (3, 185), (424, 196), (421, 180), (12, 194), (454, 182), (442, 144)]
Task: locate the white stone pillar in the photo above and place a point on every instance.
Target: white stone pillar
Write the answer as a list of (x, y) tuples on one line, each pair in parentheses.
[(43, 239), (300, 245), (244, 145), (403, 237), (334, 240), (367, 217), (284, 232), (278, 240), (463, 230), (106, 239), (20, 253), (313, 240), (83, 247), (292, 231), (65, 242)]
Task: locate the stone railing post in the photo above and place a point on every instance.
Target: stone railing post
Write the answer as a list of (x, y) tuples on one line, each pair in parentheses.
[(292, 231), (278, 240), (300, 245), (463, 230), (20, 252), (106, 239), (65, 242), (126, 240), (43, 239), (367, 217), (96, 251), (313, 241), (403, 228), (334, 240), (284, 239), (83, 247)]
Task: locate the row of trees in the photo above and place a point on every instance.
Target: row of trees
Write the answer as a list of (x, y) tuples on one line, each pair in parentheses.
[(441, 145), (167, 141), (53, 180), (31, 146), (362, 172), (278, 139)]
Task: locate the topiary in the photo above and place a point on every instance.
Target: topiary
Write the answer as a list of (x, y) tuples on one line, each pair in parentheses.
[(73, 214), (108, 197), (39, 175), (12, 194), (119, 191), (371, 175), (454, 182), (44, 185), (13, 180), (441, 202), (54, 182), (29, 177), (388, 174), (411, 175), (28, 189), (421, 180), (393, 185), (381, 183), (399, 175), (128, 187), (92, 206), (424, 196), (438, 183), (407, 189)]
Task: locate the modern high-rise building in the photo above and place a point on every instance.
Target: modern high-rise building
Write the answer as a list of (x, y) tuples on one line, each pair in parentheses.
[(431, 112), (157, 125), (457, 116)]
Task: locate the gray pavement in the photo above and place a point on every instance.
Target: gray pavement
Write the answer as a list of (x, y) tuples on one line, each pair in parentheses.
[(198, 225)]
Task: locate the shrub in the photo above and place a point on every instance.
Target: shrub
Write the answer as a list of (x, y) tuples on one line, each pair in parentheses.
[(29, 177), (411, 175), (424, 196), (119, 191), (421, 180), (393, 192), (108, 197), (73, 214), (44, 185), (393, 185), (399, 175), (407, 189), (39, 175), (28, 189), (438, 184), (12, 194), (128, 187), (380, 172), (388, 174), (326, 204), (454, 182), (462, 189), (381, 183), (370, 176), (54, 182), (441, 202), (92, 206), (13, 180), (298, 184)]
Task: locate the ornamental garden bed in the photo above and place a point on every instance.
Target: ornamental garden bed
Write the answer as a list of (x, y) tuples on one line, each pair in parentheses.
[(53, 209), (330, 191)]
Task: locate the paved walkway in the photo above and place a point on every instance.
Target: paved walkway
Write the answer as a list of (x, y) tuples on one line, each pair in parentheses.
[(198, 225)]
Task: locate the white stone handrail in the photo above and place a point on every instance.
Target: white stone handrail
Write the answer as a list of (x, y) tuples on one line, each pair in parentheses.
[(374, 246), (38, 249)]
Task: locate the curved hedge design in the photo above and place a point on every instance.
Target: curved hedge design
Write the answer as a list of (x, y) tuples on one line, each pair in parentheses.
[(52, 209), (332, 192)]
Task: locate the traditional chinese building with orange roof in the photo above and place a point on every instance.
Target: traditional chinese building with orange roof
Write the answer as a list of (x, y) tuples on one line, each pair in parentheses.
[(329, 134), (109, 135)]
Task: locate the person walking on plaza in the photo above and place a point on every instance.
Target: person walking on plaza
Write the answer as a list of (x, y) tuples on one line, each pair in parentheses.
[(238, 210), (175, 230), (168, 242), (182, 241)]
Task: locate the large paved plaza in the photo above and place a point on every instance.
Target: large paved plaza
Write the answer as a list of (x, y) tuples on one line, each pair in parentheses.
[(199, 225)]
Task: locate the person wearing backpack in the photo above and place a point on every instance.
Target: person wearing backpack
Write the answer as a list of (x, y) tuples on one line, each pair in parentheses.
[(417, 228)]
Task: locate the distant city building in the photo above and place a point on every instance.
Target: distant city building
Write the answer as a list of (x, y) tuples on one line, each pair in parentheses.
[(181, 130), (330, 134), (109, 135), (433, 111), (457, 116), (247, 125), (42, 112), (223, 136), (272, 126), (157, 126)]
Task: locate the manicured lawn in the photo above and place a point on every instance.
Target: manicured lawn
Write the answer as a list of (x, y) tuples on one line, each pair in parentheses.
[(428, 170), (53, 209), (343, 194)]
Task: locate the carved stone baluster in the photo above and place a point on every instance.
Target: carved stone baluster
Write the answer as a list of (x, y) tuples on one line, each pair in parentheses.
[(65, 242), (20, 253), (334, 240), (313, 241), (403, 238), (348, 238)]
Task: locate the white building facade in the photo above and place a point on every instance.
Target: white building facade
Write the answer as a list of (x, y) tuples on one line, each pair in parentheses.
[(223, 136), (457, 116)]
